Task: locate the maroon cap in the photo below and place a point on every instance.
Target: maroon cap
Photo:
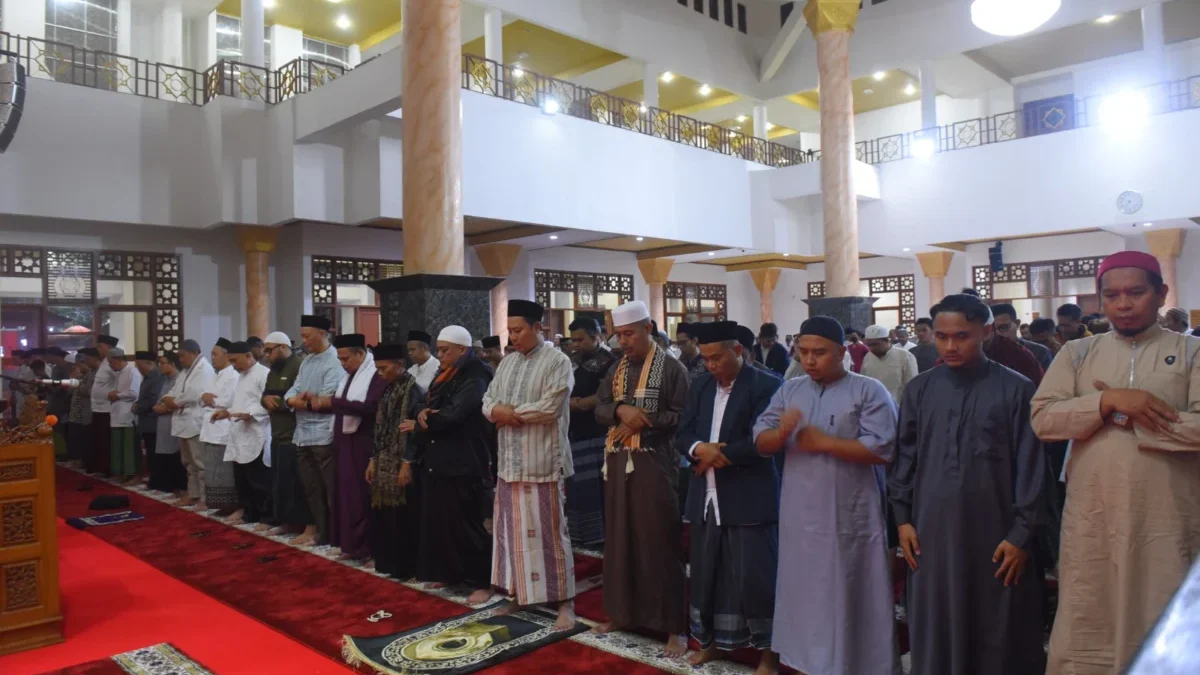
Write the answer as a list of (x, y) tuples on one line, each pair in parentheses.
[(1143, 261)]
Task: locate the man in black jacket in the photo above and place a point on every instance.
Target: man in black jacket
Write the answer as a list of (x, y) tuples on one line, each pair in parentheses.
[(769, 352), (452, 447), (733, 501)]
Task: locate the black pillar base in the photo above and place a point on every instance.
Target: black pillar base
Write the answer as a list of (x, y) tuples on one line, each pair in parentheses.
[(430, 302), (853, 312)]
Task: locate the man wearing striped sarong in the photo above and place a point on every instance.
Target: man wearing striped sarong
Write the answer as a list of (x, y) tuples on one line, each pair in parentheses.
[(585, 490), (527, 400)]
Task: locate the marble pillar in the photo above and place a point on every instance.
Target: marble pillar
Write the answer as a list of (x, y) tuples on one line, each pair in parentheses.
[(655, 272), (650, 86), (433, 219), (765, 281), (934, 265), (832, 22), (257, 243), (498, 261), (1167, 245), (253, 33)]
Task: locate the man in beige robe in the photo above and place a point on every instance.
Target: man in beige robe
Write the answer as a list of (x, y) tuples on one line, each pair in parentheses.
[(1129, 400)]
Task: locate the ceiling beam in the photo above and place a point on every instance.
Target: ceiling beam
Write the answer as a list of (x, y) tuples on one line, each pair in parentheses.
[(782, 45), (681, 249), (612, 76), (766, 264), (509, 233)]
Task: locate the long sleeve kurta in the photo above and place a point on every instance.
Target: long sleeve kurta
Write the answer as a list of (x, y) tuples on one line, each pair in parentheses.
[(223, 385), (247, 439), (191, 384), (834, 612), (128, 383), (969, 473), (105, 382), (1131, 526), (535, 384)]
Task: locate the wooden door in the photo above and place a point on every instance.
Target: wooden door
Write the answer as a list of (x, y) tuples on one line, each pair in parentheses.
[(366, 321)]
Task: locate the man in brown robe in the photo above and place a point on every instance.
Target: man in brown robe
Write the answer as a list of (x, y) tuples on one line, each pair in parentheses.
[(641, 400), (1129, 401)]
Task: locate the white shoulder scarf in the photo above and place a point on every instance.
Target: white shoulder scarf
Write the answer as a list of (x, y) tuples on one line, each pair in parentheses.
[(357, 391)]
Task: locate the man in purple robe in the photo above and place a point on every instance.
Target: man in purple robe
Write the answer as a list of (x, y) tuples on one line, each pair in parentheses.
[(353, 405)]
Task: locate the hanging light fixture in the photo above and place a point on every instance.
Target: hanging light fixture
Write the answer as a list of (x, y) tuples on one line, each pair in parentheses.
[(1012, 17)]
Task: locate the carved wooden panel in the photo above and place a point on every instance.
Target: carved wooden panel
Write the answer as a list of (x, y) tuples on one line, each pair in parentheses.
[(11, 472), (16, 523), (20, 586)]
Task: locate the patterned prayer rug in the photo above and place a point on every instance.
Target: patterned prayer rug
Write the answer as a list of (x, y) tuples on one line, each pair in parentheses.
[(106, 519), (457, 646), (163, 659)]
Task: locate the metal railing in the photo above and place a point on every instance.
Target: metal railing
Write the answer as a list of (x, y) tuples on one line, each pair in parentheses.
[(533, 89)]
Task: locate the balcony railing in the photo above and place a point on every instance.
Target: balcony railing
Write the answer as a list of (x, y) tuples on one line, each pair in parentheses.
[(1159, 98), (562, 97)]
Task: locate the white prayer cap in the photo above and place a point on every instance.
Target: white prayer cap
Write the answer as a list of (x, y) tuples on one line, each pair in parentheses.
[(876, 332), (278, 338), (455, 335), (991, 317), (630, 313)]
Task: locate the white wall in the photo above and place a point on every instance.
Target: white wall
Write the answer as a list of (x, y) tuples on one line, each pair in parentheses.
[(286, 44), (1105, 76), (26, 18)]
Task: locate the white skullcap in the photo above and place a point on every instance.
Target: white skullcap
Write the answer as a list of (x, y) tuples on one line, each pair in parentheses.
[(278, 338), (455, 335), (991, 317), (630, 313), (876, 332)]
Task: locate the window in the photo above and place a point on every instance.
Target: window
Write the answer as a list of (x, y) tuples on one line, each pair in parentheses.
[(82, 25), (692, 302), (895, 299), (341, 294), (571, 295), (64, 298), (229, 40), (327, 52)]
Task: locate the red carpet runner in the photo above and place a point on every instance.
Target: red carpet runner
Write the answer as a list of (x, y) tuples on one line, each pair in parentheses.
[(311, 599)]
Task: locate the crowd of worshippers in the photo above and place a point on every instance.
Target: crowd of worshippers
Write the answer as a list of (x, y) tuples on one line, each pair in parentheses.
[(804, 479)]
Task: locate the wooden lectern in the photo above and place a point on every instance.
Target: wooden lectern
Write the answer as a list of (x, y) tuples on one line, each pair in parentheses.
[(29, 602)]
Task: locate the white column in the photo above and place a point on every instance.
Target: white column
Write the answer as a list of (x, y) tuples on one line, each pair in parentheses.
[(124, 27), (253, 21), (170, 36), (25, 18), (1154, 42), (928, 96), (650, 86), (493, 35), (760, 120), (287, 45), (355, 56)]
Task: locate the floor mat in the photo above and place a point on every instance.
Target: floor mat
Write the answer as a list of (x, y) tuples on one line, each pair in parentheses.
[(162, 659)]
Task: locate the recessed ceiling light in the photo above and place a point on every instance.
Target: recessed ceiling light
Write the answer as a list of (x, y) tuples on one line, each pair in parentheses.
[(741, 118), (268, 4), (554, 236), (1107, 18), (667, 76), (910, 89), (335, 1), (786, 254), (770, 126), (343, 22), (1147, 224), (868, 91), (704, 90), (641, 239), (906, 249), (879, 76), (711, 254)]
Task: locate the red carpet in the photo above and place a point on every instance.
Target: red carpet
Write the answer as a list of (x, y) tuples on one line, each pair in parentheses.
[(100, 667), (306, 597), (114, 603)]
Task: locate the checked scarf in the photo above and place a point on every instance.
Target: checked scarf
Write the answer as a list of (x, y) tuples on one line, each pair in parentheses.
[(645, 396)]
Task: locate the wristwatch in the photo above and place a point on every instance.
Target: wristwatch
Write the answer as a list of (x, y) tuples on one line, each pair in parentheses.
[(1120, 418)]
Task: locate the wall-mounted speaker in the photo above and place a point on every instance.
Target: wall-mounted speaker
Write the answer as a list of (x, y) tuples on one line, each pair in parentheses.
[(12, 100), (996, 256)]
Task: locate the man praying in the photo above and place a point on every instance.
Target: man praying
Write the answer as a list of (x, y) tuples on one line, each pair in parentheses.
[(585, 489), (891, 364), (220, 491), (249, 436), (125, 449), (689, 349), (187, 416), (733, 502), (527, 401), (769, 352), (967, 488), (1129, 402), (640, 400), (104, 383), (424, 365), (146, 425), (167, 472), (288, 504), (1005, 325), (491, 353), (833, 602), (926, 351)]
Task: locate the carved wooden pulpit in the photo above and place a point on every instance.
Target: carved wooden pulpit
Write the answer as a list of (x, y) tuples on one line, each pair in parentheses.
[(29, 603)]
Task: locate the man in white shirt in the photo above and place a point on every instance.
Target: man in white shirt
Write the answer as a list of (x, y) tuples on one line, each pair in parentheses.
[(219, 490), (733, 501), (187, 416), (424, 364), (902, 339), (125, 454), (100, 456), (893, 366), (249, 434)]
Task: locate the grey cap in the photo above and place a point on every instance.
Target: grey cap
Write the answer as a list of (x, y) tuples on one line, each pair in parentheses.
[(116, 353), (190, 346)]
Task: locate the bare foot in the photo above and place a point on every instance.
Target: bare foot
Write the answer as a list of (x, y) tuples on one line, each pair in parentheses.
[(235, 520), (704, 656), (276, 531), (676, 646), (566, 617), (185, 502), (606, 627), (435, 585), (262, 527), (768, 664), (201, 506), (370, 564), (479, 597), (507, 608), (305, 539)]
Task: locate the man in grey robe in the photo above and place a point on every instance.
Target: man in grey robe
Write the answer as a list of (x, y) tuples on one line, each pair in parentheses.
[(967, 488), (833, 599)]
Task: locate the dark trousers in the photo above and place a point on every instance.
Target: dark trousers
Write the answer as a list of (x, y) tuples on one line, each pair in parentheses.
[(99, 451), (253, 483), (317, 476)]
